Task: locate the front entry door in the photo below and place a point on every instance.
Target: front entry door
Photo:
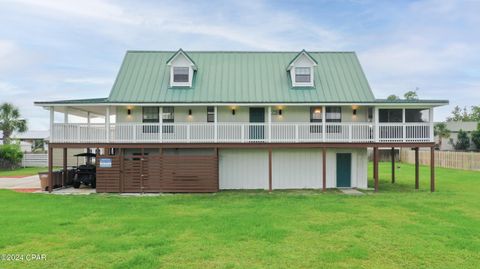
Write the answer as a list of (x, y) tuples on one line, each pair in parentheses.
[(344, 170), (257, 120)]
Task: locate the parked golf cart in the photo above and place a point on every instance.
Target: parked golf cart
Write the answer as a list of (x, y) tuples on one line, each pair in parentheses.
[(85, 173)]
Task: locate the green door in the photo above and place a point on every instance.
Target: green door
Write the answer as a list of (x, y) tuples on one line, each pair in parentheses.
[(344, 169), (257, 128)]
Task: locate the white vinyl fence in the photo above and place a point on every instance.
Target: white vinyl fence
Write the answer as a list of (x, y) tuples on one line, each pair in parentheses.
[(35, 160)]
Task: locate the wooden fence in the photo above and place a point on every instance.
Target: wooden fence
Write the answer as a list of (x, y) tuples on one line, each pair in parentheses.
[(447, 159)]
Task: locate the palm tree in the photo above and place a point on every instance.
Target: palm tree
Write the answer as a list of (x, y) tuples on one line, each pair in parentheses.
[(441, 131), (10, 121)]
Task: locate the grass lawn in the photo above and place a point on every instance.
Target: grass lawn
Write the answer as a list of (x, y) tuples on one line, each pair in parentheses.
[(22, 171), (396, 228)]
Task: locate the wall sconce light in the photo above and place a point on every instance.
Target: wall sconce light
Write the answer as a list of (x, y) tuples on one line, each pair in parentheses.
[(280, 112), (355, 112), (190, 112), (233, 111), (129, 112)]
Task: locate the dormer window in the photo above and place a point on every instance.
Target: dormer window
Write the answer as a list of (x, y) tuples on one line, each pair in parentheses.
[(180, 74), (301, 70), (303, 75), (182, 69)]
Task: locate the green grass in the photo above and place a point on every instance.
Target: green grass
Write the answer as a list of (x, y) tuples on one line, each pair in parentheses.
[(22, 171), (396, 228)]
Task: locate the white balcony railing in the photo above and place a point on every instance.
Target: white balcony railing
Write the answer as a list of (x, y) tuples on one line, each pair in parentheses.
[(241, 132)]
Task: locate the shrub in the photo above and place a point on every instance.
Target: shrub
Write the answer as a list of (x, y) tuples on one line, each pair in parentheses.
[(463, 142), (476, 137), (10, 156)]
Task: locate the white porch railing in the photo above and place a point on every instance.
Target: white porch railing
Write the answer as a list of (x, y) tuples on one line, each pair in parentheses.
[(240, 132)]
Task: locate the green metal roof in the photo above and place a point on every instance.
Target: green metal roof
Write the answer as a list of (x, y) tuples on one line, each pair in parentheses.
[(75, 101), (236, 77)]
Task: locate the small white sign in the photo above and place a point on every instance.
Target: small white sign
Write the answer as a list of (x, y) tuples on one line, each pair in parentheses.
[(105, 163)]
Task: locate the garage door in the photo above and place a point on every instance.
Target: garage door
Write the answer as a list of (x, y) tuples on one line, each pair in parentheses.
[(243, 169), (297, 169)]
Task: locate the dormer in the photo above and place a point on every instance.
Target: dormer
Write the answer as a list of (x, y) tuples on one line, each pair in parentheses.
[(301, 70), (182, 69)]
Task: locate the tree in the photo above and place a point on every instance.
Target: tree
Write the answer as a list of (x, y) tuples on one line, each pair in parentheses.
[(393, 97), (10, 121), (441, 130), (476, 137), (411, 95), (463, 142), (462, 114)]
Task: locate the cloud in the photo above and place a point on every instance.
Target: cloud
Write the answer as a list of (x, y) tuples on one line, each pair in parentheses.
[(89, 80)]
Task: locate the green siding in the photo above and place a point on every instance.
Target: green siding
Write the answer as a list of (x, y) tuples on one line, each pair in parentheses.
[(240, 77)]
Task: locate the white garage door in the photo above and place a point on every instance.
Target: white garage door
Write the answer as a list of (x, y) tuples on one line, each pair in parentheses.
[(243, 169), (297, 169)]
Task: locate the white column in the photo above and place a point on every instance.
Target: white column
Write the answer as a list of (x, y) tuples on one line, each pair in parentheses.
[(432, 136), (107, 123), (377, 128), (88, 125), (404, 131), (215, 120), (269, 117), (160, 119), (65, 115), (52, 119), (324, 120)]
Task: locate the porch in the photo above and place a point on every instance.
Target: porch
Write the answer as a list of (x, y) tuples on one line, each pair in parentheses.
[(236, 124)]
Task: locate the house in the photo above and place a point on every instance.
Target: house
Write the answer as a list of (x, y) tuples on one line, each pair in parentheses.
[(203, 121), (455, 127), (30, 140)]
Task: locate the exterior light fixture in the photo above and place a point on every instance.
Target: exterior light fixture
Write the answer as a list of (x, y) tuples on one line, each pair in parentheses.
[(280, 112), (190, 112), (233, 111), (129, 112), (354, 112)]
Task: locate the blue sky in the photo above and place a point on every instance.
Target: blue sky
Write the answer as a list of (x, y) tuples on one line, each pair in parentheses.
[(52, 50)]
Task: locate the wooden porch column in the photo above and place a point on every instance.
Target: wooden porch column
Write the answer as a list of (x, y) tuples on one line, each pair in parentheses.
[(393, 165), (432, 169), (50, 167), (375, 168), (65, 172), (324, 169), (270, 169), (417, 180)]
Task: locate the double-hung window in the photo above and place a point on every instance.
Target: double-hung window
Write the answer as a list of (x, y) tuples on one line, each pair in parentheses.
[(303, 75), (168, 117), (180, 74), (150, 115), (210, 114)]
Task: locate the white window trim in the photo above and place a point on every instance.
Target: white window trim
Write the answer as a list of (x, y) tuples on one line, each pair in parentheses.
[(181, 84), (302, 84)]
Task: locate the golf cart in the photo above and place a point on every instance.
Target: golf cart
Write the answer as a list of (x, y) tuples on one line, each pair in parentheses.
[(85, 173)]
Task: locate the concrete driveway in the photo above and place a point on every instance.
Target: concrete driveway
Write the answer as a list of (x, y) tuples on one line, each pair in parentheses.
[(30, 182)]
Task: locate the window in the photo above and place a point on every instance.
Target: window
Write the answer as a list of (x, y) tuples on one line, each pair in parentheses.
[(302, 74), (333, 114), (370, 114), (417, 115), (210, 114), (168, 114), (180, 74), (150, 114), (390, 115), (315, 114)]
